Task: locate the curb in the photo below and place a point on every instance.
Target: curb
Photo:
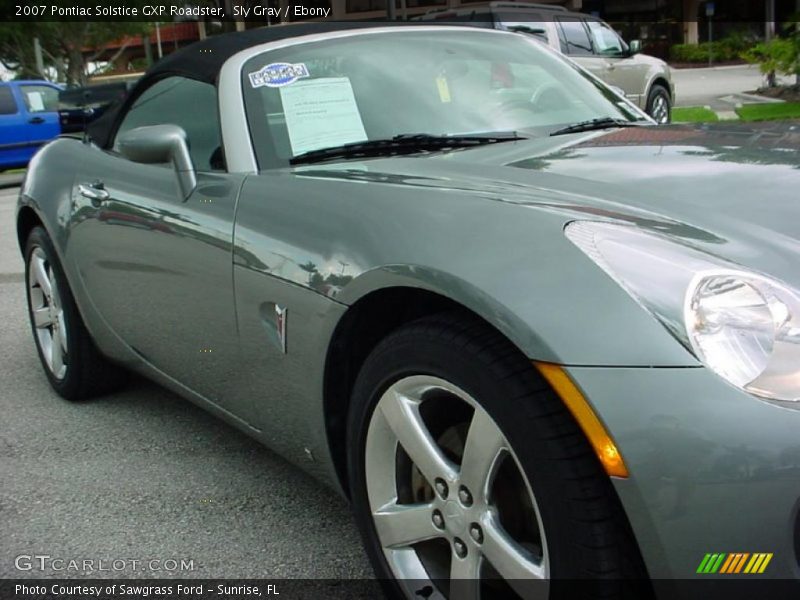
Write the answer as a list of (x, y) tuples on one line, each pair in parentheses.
[(11, 182)]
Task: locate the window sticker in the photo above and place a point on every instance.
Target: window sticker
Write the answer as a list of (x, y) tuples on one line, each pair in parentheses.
[(35, 101), (321, 113), (278, 75), (444, 89)]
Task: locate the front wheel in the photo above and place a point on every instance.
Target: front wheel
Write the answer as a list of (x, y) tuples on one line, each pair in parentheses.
[(659, 105), (471, 480)]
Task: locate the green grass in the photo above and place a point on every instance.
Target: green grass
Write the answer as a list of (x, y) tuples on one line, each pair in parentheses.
[(693, 114), (769, 112)]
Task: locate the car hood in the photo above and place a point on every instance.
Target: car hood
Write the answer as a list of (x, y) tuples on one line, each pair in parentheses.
[(731, 190)]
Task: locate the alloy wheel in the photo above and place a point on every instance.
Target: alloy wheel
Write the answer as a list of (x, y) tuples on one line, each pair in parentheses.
[(660, 110), (47, 313), (452, 508)]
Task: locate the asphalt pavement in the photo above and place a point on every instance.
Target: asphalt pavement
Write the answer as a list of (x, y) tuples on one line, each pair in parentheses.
[(718, 87), (143, 475)]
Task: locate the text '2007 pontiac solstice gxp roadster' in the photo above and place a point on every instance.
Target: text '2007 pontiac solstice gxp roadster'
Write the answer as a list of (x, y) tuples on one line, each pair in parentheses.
[(532, 336)]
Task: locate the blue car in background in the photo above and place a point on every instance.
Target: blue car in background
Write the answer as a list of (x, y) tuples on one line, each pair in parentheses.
[(28, 119)]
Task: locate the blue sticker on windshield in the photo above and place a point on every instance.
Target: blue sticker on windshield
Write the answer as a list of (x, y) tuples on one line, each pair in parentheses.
[(278, 74)]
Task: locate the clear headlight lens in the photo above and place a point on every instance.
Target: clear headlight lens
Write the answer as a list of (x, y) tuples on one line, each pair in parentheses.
[(742, 325)]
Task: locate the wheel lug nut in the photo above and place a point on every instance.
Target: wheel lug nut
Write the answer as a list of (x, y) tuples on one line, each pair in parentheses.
[(476, 533), (460, 548), (438, 519), (464, 496), (441, 488)]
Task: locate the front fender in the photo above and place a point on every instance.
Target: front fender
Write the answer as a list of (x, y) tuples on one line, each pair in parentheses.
[(574, 316), (348, 233)]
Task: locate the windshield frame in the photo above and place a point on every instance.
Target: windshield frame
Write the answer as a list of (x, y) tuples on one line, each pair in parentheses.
[(243, 157)]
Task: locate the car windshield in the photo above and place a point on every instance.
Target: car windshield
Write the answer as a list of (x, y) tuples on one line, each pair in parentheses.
[(375, 86)]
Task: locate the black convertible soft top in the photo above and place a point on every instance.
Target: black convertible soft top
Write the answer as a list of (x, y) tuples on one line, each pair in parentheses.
[(204, 59)]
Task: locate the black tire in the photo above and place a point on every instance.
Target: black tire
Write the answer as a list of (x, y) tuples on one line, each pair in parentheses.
[(575, 497), (88, 373), (659, 100)]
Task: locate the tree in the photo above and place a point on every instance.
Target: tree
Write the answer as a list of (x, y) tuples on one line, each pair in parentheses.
[(780, 55), (75, 37), (68, 47), (16, 48)]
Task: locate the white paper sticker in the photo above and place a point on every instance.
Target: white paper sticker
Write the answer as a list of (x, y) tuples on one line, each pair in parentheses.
[(278, 75), (321, 113), (35, 101)]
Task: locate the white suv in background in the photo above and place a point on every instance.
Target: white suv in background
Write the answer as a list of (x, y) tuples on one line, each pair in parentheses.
[(589, 41)]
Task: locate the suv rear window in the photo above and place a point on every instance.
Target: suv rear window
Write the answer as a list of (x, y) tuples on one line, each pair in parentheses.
[(574, 37)]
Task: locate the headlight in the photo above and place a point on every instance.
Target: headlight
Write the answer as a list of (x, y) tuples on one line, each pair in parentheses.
[(742, 325)]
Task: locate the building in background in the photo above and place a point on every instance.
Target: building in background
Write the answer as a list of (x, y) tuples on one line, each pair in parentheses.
[(133, 54), (672, 21), (658, 23)]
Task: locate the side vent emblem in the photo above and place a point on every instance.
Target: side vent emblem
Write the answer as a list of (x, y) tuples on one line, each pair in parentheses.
[(280, 325)]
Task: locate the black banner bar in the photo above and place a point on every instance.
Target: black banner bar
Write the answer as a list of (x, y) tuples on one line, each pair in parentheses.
[(702, 588), (275, 11)]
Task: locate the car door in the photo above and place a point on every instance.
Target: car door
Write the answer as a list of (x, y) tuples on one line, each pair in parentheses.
[(155, 264), (621, 69), (13, 146), (40, 108)]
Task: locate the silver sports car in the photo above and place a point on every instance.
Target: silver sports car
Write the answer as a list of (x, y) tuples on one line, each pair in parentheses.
[(534, 338)]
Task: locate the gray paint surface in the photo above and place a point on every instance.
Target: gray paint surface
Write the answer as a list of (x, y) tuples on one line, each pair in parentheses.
[(144, 474)]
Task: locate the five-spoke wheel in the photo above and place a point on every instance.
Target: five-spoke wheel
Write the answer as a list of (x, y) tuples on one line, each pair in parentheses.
[(659, 104), (451, 477), (72, 363), (469, 477), (48, 314)]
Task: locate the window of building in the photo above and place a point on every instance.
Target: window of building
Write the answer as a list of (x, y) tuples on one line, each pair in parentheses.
[(357, 6), (420, 3), (189, 104)]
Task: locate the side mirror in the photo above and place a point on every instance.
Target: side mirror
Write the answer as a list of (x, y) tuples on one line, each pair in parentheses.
[(161, 144), (635, 46)]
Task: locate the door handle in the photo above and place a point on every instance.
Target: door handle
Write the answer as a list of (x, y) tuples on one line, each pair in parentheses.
[(96, 192), (36, 120)]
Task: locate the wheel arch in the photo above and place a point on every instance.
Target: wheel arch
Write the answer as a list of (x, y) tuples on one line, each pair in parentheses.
[(360, 329), (660, 80), (369, 319), (27, 219)]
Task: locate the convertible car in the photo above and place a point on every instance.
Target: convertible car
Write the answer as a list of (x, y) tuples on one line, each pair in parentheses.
[(533, 337)]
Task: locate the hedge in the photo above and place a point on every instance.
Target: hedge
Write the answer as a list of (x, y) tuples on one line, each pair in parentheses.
[(729, 48)]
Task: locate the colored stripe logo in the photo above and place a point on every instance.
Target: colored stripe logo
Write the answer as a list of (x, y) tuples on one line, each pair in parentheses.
[(734, 562)]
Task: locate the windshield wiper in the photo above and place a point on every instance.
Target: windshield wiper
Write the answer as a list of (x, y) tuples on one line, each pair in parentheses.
[(601, 123), (407, 143)]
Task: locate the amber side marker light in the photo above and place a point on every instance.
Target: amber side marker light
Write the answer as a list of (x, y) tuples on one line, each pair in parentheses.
[(598, 437)]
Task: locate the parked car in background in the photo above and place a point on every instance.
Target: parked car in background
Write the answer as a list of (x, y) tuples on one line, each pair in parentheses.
[(28, 119), (589, 41), (81, 105)]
